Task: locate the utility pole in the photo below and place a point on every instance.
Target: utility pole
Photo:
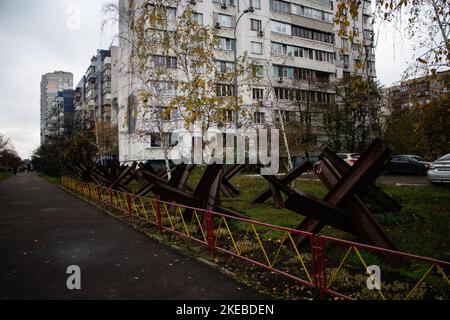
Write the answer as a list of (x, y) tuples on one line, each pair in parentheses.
[(236, 97)]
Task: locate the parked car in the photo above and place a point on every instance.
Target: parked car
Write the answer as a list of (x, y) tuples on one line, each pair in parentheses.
[(350, 158), (408, 164), (439, 170)]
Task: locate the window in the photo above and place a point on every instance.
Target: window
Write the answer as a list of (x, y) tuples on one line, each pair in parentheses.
[(171, 13), (199, 18), (157, 36), (258, 71), (281, 94), (312, 13), (280, 6), (224, 66), (224, 90), (256, 4), (312, 34), (259, 117), (257, 48), (367, 7), (224, 20), (282, 71), (155, 140), (228, 116), (280, 27), (345, 43), (165, 62), (258, 94), (308, 53), (345, 59), (278, 48), (367, 34), (356, 46), (167, 88), (227, 44), (277, 71), (225, 2), (255, 25)]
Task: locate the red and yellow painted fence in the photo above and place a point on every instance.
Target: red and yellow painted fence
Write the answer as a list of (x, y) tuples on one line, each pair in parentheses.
[(332, 267)]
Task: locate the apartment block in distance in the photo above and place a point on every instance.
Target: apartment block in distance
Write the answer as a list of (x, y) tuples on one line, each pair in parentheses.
[(93, 98), (417, 91), (294, 47), (53, 85)]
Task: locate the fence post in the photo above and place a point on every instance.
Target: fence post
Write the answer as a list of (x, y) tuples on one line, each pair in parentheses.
[(323, 268), (130, 206), (209, 219), (319, 267), (110, 198), (158, 216)]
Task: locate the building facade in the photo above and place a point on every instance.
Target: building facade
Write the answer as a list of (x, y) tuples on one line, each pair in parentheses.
[(417, 91), (93, 99), (297, 52), (53, 85)]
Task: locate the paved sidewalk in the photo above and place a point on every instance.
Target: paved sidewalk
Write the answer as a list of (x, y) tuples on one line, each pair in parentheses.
[(43, 230)]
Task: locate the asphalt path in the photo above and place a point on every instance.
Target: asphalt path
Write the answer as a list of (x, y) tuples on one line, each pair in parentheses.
[(44, 230)]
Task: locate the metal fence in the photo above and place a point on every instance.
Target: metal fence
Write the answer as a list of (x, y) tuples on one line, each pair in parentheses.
[(334, 268)]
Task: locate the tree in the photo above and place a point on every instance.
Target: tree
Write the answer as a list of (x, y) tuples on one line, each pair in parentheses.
[(8, 155), (58, 152), (174, 75), (425, 22), (350, 125), (424, 129)]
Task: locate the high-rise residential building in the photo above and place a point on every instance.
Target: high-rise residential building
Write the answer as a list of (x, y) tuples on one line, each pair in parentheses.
[(51, 85), (93, 94), (417, 91), (296, 43)]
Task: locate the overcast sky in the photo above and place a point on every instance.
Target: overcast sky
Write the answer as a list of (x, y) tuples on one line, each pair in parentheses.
[(40, 36)]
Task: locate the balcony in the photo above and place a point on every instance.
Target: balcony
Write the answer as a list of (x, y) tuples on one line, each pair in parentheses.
[(91, 74)]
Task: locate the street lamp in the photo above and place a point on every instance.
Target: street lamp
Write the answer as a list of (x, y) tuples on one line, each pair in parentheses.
[(236, 121)]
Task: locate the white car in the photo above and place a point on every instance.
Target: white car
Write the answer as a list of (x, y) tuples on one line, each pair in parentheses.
[(350, 158), (439, 170)]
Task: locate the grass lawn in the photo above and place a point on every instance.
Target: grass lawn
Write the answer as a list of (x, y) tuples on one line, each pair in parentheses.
[(5, 175), (53, 180), (421, 227)]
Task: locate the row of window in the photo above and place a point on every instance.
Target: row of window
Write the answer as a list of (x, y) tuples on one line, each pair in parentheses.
[(287, 7), (228, 117), (295, 51), (165, 62), (297, 31), (304, 95), (282, 71)]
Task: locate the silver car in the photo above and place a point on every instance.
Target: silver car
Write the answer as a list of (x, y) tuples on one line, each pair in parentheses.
[(439, 170)]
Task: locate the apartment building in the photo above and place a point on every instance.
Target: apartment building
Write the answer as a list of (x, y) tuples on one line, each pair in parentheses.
[(53, 85), (93, 97), (60, 115), (417, 91), (295, 49)]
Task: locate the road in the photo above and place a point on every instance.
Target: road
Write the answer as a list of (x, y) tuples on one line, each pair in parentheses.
[(400, 180), (44, 229)]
